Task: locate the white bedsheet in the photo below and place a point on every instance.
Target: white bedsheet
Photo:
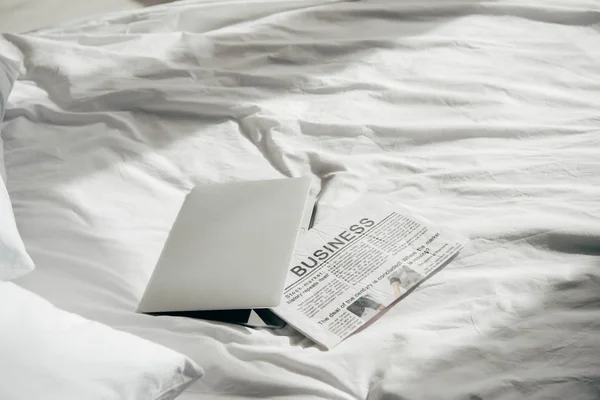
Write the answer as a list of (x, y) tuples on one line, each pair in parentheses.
[(483, 116)]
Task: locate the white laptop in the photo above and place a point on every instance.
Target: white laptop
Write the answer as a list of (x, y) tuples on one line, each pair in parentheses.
[(230, 247)]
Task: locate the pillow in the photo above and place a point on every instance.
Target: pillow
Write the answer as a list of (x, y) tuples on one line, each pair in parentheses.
[(14, 260), (47, 353)]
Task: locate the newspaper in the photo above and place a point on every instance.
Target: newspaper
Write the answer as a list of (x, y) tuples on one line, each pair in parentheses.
[(348, 269)]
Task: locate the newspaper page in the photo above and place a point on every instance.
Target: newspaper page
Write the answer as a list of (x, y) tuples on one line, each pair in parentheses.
[(351, 267)]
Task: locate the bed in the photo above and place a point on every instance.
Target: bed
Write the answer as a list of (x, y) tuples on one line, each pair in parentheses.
[(481, 116)]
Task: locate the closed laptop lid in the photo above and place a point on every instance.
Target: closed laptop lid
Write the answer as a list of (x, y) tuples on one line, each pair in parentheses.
[(230, 247)]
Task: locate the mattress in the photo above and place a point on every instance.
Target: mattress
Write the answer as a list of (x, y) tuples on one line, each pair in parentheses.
[(481, 116)]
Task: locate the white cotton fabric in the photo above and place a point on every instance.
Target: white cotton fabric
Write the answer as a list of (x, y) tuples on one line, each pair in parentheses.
[(14, 260), (481, 116), (48, 353)]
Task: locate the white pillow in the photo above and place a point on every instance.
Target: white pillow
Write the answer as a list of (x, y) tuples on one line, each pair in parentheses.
[(47, 353), (14, 260)]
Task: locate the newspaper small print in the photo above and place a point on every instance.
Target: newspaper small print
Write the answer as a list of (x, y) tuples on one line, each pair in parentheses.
[(350, 268)]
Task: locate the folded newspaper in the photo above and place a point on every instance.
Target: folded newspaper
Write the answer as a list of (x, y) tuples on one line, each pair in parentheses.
[(348, 269)]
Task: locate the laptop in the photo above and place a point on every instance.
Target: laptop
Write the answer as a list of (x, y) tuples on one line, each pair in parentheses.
[(230, 248)]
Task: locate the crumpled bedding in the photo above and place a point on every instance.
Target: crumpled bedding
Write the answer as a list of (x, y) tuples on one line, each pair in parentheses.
[(481, 116)]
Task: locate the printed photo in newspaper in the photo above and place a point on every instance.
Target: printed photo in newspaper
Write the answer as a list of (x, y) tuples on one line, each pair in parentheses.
[(354, 265)]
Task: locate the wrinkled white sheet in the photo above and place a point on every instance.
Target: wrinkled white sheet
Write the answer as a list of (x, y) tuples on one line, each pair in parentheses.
[(482, 116)]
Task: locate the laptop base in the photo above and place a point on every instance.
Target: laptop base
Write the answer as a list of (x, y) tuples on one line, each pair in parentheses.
[(251, 318)]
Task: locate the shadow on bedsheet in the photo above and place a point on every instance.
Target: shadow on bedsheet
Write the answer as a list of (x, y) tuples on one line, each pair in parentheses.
[(544, 349), (149, 3)]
